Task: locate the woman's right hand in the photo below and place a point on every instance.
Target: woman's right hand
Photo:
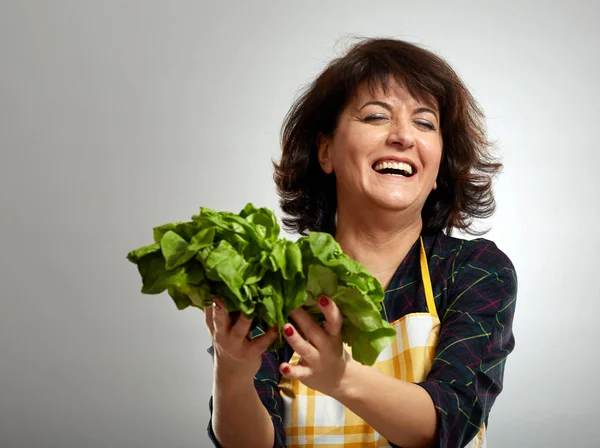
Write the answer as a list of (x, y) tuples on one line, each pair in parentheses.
[(235, 354)]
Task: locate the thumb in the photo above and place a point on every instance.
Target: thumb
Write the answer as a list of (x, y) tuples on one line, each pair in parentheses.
[(262, 343), (221, 318)]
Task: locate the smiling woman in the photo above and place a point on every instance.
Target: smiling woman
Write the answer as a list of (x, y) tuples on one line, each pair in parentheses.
[(386, 150), (372, 68), (383, 153)]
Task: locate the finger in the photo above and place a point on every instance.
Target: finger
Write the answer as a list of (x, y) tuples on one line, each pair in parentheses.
[(241, 328), (310, 328), (208, 320), (298, 372), (262, 343), (333, 316), (300, 345), (221, 318)]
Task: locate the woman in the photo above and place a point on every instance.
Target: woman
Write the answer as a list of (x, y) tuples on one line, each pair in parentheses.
[(386, 151)]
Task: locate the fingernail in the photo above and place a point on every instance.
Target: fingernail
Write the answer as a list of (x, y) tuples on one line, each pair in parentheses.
[(289, 331), (324, 301), (285, 369), (216, 306)]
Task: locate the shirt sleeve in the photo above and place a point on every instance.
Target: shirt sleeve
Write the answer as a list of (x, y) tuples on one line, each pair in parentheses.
[(475, 339), (266, 384)]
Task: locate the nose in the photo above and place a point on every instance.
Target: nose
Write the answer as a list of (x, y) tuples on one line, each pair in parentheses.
[(402, 134)]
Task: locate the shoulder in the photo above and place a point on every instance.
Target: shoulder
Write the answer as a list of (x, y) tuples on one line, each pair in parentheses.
[(472, 272), (464, 256)]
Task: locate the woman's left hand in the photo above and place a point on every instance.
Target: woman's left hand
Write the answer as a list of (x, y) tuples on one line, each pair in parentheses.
[(323, 360)]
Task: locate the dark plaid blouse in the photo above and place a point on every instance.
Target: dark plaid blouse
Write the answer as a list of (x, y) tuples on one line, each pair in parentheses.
[(475, 288)]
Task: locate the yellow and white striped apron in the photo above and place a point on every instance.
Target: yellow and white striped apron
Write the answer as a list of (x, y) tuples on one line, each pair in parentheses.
[(313, 419)]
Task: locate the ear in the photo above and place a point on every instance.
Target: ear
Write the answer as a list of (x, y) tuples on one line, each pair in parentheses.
[(324, 156), (435, 185)]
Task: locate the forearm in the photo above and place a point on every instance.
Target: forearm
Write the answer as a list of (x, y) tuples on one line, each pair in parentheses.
[(239, 417), (400, 411)]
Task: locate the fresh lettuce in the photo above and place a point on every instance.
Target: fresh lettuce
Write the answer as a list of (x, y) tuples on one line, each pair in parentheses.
[(241, 259)]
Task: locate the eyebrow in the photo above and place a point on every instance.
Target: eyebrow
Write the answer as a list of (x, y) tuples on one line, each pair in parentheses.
[(388, 107), (377, 103), (426, 109)]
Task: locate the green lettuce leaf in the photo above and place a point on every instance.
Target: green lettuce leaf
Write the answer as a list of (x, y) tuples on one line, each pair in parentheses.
[(135, 255), (176, 250), (241, 259), (156, 278)]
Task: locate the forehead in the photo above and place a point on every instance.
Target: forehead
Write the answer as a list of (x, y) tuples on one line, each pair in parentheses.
[(392, 90)]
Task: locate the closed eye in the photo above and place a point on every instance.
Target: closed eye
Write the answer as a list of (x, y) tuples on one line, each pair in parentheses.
[(425, 124), (374, 117)]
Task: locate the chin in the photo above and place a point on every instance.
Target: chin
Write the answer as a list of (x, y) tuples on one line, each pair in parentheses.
[(392, 204)]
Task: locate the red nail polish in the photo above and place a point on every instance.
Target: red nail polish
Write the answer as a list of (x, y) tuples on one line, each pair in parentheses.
[(285, 369), (289, 331), (324, 301)]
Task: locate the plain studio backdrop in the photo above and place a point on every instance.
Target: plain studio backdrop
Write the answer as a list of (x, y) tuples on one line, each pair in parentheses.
[(117, 116)]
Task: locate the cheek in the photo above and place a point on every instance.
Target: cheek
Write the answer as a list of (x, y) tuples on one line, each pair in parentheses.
[(344, 155), (433, 156), (352, 147)]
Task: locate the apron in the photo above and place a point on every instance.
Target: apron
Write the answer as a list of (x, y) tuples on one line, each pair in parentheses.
[(313, 419)]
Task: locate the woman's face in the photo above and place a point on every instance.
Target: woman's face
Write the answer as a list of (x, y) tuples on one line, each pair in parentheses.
[(385, 151)]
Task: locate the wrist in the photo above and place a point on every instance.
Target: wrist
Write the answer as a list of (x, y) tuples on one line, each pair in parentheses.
[(231, 377), (349, 385)]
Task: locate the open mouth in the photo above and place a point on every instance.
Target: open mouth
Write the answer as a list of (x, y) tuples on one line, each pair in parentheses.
[(393, 168)]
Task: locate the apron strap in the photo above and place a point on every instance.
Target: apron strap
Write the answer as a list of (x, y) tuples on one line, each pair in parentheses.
[(427, 282)]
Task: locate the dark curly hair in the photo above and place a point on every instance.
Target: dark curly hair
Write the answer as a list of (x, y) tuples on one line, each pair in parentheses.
[(308, 195)]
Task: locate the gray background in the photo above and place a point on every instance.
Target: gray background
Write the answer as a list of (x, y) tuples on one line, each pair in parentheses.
[(116, 116)]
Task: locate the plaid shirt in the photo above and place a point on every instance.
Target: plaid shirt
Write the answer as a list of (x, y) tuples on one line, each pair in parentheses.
[(475, 286)]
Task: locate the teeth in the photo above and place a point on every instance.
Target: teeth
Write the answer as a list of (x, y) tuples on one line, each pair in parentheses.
[(394, 165)]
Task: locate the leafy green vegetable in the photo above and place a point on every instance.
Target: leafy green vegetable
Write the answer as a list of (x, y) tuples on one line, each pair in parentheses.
[(241, 259)]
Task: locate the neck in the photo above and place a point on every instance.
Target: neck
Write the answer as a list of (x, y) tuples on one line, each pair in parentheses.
[(379, 243)]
